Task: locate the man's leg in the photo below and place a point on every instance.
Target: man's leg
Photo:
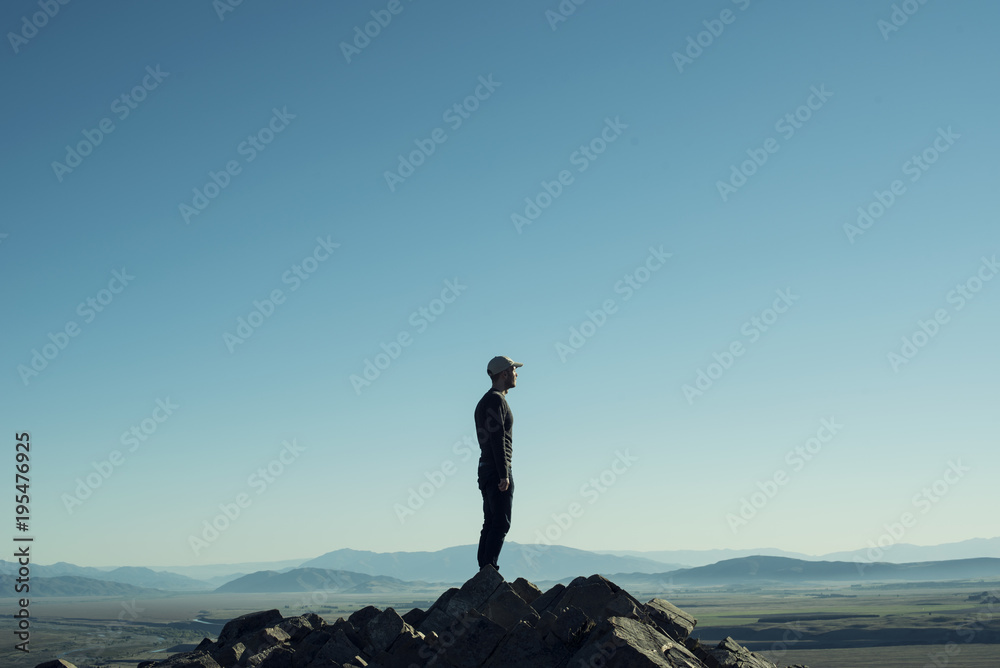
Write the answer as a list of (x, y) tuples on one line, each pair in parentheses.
[(499, 523), (487, 525)]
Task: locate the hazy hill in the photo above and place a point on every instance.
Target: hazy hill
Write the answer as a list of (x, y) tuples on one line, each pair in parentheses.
[(897, 554), (133, 575), (315, 579), (782, 570), (72, 585), (456, 564)]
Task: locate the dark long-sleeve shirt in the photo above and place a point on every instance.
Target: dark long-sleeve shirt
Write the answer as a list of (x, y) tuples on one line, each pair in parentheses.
[(494, 424)]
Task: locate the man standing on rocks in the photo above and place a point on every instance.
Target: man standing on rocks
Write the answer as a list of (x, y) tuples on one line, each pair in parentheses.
[(494, 424)]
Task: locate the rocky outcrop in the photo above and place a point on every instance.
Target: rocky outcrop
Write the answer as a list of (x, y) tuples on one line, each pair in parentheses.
[(590, 623)]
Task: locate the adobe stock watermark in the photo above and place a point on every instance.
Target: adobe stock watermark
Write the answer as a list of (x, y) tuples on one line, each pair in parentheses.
[(923, 501), (627, 286), (135, 436), (592, 490), (223, 7), (263, 309), (899, 17), (796, 458), (249, 148), (971, 626), (122, 106), (915, 167), (562, 12), (363, 36), (259, 481), (787, 125), (435, 480), (87, 310), (454, 116), (419, 320), (582, 158), (714, 28), (752, 329), (958, 297), (37, 21)]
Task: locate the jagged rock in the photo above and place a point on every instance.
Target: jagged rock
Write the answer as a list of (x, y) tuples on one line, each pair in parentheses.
[(229, 656), (730, 654), (265, 638), (276, 656), (542, 603), (621, 642), (526, 590), (340, 650), (56, 663), (524, 647), (599, 599), (670, 619), (507, 608), (301, 626), (383, 629), (244, 625), (361, 617), (485, 623), (414, 617), (206, 645), (467, 643), (568, 628), (189, 660), (456, 602), (309, 647)]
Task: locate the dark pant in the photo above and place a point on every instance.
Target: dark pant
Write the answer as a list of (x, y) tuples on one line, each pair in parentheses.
[(496, 520)]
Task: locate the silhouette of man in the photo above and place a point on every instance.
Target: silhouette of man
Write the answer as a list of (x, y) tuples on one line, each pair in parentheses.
[(494, 424)]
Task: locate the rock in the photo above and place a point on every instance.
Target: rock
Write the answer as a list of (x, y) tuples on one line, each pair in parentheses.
[(542, 603), (277, 656), (383, 629), (524, 647), (486, 622), (361, 617), (621, 642), (299, 627), (227, 657), (670, 619), (526, 590), (730, 654), (56, 663), (569, 627), (247, 624), (467, 643), (339, 649), (189, 660), (506, 608), (414, 617)]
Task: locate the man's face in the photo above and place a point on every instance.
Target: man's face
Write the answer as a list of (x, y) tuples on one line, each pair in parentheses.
[(511, 379)]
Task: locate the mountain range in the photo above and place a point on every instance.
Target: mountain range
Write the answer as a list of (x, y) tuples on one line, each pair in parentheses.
[(359, 571)]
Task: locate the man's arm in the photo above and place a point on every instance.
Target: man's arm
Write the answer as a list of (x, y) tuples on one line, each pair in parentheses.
[(495, 421)]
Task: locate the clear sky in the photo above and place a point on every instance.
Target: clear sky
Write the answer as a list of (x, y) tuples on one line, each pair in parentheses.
[(745, 251)]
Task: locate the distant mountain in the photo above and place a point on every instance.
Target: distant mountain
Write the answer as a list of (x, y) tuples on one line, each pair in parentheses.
[(905, 553), (766, 570), (72, 585), (219, 573), (897, 554), (456, 564), (315, 579), (695, 558), (140, 577)]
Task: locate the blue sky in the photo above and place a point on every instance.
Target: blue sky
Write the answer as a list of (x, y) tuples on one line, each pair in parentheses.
[(694, 299)]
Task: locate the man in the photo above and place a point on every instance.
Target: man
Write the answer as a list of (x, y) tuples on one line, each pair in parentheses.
[(494, 424)]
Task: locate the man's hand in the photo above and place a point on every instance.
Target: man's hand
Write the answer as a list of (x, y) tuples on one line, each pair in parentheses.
[(504, 484)]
